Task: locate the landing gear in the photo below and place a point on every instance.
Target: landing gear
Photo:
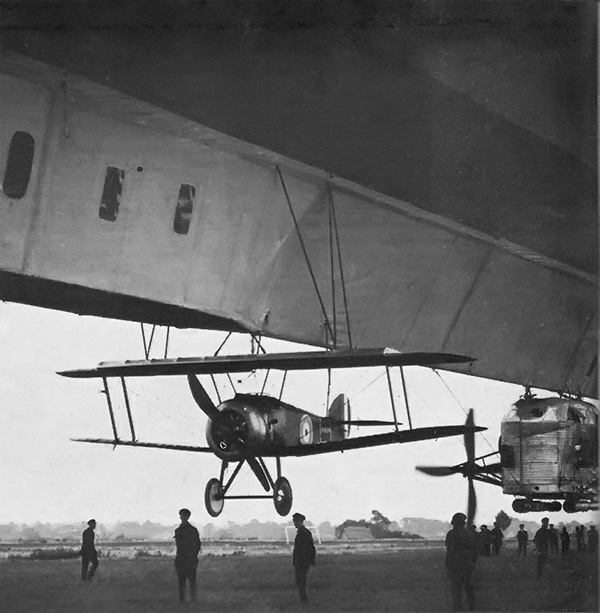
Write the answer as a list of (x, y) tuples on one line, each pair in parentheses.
[(214, 497), (217, 490), (282, 496)]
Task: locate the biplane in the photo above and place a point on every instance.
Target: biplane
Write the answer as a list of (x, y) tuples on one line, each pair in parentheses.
[(547, 456), (248, 428)]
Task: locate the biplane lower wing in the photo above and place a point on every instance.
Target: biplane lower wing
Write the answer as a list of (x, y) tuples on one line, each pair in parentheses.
[(120, 443), (307, 360), (377, 440), (361, 442)]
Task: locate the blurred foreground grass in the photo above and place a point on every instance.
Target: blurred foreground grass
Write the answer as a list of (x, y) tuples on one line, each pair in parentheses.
[(411, 580)]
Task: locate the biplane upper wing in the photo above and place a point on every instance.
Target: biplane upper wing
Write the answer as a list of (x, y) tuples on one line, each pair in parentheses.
[(377, 440), (307, 360)]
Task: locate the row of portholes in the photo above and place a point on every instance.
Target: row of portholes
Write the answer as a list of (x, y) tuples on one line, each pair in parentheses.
[(18, 173), (113, 189)]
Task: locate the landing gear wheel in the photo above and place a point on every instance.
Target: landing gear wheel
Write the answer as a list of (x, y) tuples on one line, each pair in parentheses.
[(282, 496), (213, 497)]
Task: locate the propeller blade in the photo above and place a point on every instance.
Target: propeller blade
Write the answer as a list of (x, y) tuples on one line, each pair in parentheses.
[(437, 471), (471, 503), (257, 469), (470, 437), (203, 399)]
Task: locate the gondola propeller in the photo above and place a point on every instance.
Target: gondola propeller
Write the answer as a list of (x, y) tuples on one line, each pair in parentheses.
[(467, 469)]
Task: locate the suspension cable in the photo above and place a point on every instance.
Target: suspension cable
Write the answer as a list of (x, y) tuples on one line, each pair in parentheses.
[(461, 406), (222, 344), (302, 245), (332, 271)]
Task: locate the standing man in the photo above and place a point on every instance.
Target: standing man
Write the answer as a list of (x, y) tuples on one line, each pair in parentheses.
[(304, 555), (497, 537), (581, 538), (565, 540), (541, 541), (522, 538), (486, 540), (187, 542), (88, 552), (592, 544), (461, 557), (553, 535)]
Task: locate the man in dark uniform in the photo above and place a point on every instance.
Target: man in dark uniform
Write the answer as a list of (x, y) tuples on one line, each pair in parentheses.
[(592, 544), (485, 540), (88, 552), (522, 538), (187, 542), (304, 555), (461, 557), (541, 541), (565, 540), (497, 537), (553, 539)]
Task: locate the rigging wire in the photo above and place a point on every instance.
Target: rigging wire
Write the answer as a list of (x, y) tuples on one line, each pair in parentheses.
[(332, 272), (340, 264), (463, 409), (304, 251)]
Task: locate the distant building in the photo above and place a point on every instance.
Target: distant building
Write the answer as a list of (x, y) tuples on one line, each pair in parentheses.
[(353, 533)]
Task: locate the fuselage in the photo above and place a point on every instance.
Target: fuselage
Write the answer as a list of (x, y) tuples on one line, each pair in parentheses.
[(258, 425)]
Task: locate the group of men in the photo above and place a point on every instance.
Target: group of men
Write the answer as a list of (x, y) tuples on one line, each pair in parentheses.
[(462, 549), (546, 540), (188, 546), (463, 546), (578, 536), (488, 541)]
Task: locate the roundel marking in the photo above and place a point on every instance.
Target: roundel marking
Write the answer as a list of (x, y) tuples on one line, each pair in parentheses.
[(306, 430)]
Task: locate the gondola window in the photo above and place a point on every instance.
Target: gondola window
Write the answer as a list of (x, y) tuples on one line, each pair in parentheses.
[(184, 209), (18, 165), (111, 194)]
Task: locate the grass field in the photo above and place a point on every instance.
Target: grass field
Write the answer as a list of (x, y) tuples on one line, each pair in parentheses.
[(405, 580)]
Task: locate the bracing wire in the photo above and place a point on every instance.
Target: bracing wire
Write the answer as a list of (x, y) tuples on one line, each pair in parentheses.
[(463, 409), (340, 264), (305, 252)]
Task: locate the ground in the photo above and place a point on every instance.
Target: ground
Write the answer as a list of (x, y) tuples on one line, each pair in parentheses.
[(401, 580)]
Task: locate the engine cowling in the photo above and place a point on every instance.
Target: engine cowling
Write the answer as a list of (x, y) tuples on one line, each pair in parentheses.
[(240, 431)]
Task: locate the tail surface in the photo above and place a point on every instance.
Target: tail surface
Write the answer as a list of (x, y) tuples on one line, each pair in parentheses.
[(339, 411)]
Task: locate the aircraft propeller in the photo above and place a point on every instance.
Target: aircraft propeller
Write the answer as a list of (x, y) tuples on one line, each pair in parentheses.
[(202, 399), (469, 439), (467, 469), (231, 427)]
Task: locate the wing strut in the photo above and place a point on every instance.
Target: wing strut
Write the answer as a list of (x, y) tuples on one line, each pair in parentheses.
[(389, 380), (129, 416), (111, 412), (110, 408), (406, 397)]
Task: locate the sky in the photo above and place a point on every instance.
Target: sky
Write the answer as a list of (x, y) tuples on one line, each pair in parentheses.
[(46, 477)]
